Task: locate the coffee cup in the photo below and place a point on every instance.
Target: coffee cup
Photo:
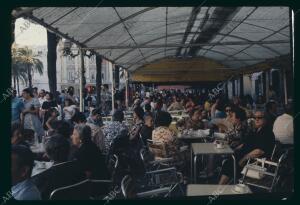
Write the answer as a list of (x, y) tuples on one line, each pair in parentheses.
[(220, 145), (241, 188)]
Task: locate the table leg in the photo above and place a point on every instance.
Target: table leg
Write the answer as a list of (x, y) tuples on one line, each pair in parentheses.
[(191, 163), (195, 168), (234, 169)]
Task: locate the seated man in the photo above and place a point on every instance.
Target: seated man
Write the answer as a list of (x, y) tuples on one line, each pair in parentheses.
[(193, 122), (21, 166), (284, 127), (61, 173), (57, 149), (260, 143)]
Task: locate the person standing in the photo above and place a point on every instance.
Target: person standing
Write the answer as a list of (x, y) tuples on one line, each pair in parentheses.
[(30, 114), (69, 110), (17, 106), (46, 106)]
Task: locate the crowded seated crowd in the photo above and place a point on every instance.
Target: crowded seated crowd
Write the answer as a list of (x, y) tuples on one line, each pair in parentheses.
[(54, 145)]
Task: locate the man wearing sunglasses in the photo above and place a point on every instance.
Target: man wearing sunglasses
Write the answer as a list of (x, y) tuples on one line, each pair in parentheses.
[(259, 143)]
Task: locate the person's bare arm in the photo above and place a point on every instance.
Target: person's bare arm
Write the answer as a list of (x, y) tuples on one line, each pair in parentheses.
[(253, 154), (32, 111), (66, 110), (48, 123), (170, 108), (239, 147)]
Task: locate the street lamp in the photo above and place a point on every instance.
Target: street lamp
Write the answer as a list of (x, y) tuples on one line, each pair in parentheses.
[(69, 49), (88, 53)]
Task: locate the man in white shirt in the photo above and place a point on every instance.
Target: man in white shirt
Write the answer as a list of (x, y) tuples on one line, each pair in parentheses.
[(283, 127)]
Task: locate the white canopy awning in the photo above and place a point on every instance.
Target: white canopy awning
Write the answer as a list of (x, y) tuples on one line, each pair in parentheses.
[(131, 37)]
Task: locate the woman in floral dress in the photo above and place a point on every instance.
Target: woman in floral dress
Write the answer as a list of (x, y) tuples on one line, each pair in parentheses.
[(30, 114)]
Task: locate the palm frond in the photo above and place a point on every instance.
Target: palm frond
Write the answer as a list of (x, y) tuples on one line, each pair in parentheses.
[(22, 58)]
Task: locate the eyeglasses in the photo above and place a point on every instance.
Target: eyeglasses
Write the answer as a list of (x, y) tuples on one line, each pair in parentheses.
[(228, 110)]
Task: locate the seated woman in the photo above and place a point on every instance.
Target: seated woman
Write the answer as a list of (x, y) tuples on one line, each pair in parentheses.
[(193, 122), (235, 135), (190, 104), (259, 143), (88, 154), (138, 119), (164, 135), (113, 128), (146, 131), (224, 124), (176, 105), (217, 109)]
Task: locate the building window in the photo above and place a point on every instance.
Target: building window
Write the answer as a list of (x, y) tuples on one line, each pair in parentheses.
[(70, 76), (93, 78)]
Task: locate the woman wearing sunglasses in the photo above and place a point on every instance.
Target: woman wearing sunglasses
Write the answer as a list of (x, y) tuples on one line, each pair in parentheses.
[(259, 143)]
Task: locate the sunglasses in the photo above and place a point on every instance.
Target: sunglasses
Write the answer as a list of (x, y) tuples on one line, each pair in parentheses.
[(258, 118), (228, 110)]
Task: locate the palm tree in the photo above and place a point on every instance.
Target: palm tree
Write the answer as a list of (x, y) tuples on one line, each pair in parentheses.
[(26, 60), (19, 72), (18, 69)]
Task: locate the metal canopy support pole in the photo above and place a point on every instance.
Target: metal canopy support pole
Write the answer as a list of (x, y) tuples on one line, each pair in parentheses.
[(241, 85), (267, 84), (292, 55), (81, 83), (284, 86), (113, 88), (126, 89)]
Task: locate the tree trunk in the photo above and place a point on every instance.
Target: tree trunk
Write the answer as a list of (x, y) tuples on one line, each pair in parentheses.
[(52, 41), (13, 20), (18, 86), (98, 80), (29, 76), (14, 82)]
